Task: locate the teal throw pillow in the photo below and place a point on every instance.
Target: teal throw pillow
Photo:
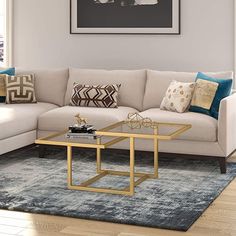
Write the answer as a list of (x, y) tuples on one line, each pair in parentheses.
[(208, 94), (9, 71)]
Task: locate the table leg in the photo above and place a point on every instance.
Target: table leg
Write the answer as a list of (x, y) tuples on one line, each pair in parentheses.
[(99, 156), (69, 166), (41, 149), (132, 157), (156, 154)]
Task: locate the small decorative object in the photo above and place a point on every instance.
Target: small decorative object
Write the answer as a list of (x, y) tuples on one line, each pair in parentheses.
[(80, 120), (125, 16), (81, 131), (136, 121), (147, 122)]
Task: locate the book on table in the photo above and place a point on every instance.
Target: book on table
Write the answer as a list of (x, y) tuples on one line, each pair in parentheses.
[(82, 131)]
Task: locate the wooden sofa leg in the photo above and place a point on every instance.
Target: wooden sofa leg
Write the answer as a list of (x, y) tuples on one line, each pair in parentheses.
[(41, 149), (222, 163)]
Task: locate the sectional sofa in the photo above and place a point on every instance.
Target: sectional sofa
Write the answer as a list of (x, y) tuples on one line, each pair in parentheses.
[(141, 91)]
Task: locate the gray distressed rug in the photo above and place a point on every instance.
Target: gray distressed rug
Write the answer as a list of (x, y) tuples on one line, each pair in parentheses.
[(174, 201)]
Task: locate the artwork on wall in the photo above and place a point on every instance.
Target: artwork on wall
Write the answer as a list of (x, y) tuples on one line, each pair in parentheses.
[(125, 16)]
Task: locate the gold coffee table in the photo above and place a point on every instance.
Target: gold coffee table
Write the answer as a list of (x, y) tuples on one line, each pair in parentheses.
[(108, 137)]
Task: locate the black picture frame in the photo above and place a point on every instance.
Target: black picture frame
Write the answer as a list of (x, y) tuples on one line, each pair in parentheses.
[(174, 30)]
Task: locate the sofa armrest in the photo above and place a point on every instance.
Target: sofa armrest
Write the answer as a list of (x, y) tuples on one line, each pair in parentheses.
[(227, 125)]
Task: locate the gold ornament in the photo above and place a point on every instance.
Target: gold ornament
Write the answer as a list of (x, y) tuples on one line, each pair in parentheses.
[(136, 121), (80, 120)]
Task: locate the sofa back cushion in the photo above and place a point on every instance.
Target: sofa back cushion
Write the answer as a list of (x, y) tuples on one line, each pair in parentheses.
[(158, 82), (132, 84), (50, 84)]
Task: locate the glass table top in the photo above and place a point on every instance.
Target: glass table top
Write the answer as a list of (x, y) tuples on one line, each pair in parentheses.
[(118, 132)]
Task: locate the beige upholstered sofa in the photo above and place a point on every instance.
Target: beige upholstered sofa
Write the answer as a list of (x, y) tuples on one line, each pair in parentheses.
[(141, 91)]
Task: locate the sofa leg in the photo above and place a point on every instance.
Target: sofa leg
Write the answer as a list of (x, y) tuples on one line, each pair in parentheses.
[(222, 163), (41, 149)]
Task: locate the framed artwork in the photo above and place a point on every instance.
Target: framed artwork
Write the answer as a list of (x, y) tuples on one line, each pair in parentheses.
[(125, 16)]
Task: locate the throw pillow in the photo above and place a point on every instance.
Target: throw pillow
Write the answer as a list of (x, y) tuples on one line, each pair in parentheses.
[(10, 71), (208, 94), (20, 89), (2, 88), (95, 95), (178, 96)]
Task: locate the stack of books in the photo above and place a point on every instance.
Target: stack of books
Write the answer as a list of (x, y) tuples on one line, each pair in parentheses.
[(81, 131)]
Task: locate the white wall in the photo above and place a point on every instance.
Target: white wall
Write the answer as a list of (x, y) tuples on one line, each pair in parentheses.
[(42, 39)]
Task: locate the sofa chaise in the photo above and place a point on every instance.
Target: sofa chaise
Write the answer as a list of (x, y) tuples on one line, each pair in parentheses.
[(141, 91)]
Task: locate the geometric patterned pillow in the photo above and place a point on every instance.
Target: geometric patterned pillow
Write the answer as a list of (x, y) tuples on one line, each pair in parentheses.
[(95, 95), (20, 89), (178, 97)]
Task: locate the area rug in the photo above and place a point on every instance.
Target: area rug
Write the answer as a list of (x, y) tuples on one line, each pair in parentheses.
[(185, 188)]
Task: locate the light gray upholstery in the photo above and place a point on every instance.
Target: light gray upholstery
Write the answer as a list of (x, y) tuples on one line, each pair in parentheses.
[(17, 141), (159, 81), (227, 124), (141, 91), (61, 118), (17, 119), (132, 84)]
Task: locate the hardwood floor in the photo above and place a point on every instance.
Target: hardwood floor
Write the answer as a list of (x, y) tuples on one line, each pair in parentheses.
[(218, 220)]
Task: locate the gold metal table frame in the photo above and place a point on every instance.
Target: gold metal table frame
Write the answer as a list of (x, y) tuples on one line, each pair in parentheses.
[(117, 137)]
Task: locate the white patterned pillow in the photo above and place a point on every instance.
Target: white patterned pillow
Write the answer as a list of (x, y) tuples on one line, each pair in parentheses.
[(20, 89), (178, 96)]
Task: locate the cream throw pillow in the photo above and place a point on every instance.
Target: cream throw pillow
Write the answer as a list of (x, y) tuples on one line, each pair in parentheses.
[(204, 93), (178, 96)]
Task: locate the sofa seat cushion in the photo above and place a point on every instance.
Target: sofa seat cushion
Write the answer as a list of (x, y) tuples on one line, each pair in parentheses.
[(204, 128), (61, 118), (16, 119)]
